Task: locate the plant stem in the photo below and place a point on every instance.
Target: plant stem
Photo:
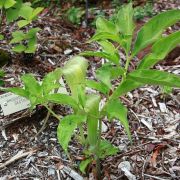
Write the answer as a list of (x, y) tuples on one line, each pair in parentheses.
[(128, 59), (98, 165), (52, 112), (82, 134)]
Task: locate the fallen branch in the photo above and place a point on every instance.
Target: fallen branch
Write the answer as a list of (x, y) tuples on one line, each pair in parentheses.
[(18, 156)]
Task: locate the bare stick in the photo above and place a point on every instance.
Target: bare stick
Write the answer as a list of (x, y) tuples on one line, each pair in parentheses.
[(18, 156)]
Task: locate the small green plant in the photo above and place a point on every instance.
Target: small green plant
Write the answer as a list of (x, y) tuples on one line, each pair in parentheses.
[(141, 12), (74, 15), (87, 113), (23, 14), (25, 42)]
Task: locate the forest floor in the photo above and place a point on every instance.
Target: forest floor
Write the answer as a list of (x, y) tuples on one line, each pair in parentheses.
[(153, 116)]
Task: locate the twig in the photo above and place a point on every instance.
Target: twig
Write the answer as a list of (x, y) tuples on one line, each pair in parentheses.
[(47, 116), (143, 168), (154, 177), (18, 156), (45, 122), (58, 175)]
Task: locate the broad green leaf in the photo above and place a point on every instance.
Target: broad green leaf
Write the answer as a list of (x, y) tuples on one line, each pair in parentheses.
[(108, 47), (62, 99), (26, 12), (1, 37), (107, 149), (111, 57), (22, 23), (7, 3), (115, 109), (153, 29), (92, 110), (18, 36), (66, 129), (32, 33), (32, 86), (31, 45), (108, 72), (18, 91), (106, 36), (126, 86), (124, 21), (36, 12), (104, 75), (2, 73), (99, 86), (160, 49), (75, 73), (12, 14), (51, 81), (155, 77), (125, 24), (104, 25), (83, 165), (1, 82), (19, 48)]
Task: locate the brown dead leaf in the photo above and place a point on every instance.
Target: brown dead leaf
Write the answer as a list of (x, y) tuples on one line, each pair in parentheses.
[(155, 154)]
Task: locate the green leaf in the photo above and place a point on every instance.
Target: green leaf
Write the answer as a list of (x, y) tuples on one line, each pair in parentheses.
[(18, 91), (99, 86), (83, 165), (92, 110), (66, 129), (153, 29), (19, 48), (26, 12), (160, 50), (81, 95), (2, 73), (104, 75), (155, 77), (32, 86), (108, 47), (31, 45), (125, 24), (1, 82), (107, 149), (22, 23), (124, 21), (1, 37), (75, 73), (36, 12), (108, 72), (50, 81), (7, 3), (126, 86), (32, 33), (115, 109), (113, 58), (18, 36), (106, 36), (12, 14), (104, 25), (62, 99)]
